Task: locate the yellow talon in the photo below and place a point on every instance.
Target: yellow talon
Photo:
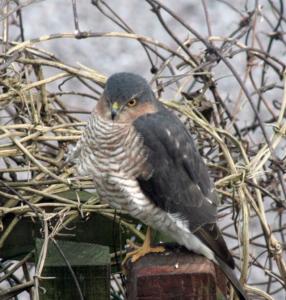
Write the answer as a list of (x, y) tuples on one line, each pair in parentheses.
[(143, 250)]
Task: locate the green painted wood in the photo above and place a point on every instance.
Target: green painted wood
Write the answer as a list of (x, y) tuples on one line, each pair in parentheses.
[(21, 240), (96, 229), (90, 263)]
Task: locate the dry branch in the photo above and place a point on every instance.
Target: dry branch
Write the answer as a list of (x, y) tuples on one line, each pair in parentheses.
[(246, 158)]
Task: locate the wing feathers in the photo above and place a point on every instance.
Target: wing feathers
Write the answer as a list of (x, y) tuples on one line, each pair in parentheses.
[(180, 182), (211, 236)]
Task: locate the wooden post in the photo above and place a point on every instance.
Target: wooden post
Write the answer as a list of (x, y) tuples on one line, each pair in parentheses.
[(22, 240), (175, 275), (90, 263)]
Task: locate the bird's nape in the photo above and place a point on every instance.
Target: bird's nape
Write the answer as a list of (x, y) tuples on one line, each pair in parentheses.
[(144, 161), (122, 87)]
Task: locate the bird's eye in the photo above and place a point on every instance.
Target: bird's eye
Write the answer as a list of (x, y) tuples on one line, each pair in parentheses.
[(132, 103)]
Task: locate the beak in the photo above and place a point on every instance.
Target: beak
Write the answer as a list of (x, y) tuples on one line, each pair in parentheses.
[(114, 110)]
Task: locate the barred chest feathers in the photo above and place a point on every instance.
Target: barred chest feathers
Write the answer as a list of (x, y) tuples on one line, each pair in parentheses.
[(114, 154)]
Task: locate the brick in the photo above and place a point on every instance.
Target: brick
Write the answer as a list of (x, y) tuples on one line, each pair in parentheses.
[(175, 275)]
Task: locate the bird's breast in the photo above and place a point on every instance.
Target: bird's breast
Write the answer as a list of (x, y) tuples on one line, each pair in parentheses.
[(108, 148), (114, 155)]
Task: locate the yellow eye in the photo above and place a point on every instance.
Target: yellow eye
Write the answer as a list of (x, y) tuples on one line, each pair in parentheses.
[(132, 103)]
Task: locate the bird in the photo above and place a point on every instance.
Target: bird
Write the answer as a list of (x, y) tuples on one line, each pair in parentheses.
[(144, 161)]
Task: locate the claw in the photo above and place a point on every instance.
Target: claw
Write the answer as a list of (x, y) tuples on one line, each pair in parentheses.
[(143, 250)]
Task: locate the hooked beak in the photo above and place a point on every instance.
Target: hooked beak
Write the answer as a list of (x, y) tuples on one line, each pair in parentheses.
[(114, 110)]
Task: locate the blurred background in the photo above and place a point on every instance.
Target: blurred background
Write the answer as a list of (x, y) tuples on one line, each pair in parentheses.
[(222, 59)]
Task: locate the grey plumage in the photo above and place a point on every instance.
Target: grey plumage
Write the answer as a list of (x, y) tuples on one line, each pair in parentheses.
[(118, 87), (143, 160)]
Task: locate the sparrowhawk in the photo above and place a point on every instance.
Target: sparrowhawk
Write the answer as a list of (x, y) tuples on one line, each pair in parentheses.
[(144, 161)]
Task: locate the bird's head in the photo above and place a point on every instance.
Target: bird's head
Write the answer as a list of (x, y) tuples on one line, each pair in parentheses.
[(127, 96)]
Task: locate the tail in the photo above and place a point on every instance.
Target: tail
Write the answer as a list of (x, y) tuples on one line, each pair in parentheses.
[(211, 236), (232, 278)]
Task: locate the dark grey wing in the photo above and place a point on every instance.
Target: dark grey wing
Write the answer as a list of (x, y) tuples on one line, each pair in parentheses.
[(180, 183)]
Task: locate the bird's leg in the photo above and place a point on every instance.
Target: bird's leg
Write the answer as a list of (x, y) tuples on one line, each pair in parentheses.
[(144, 249)]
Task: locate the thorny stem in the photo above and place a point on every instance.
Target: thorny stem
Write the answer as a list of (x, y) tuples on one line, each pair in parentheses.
[(246, 158)]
